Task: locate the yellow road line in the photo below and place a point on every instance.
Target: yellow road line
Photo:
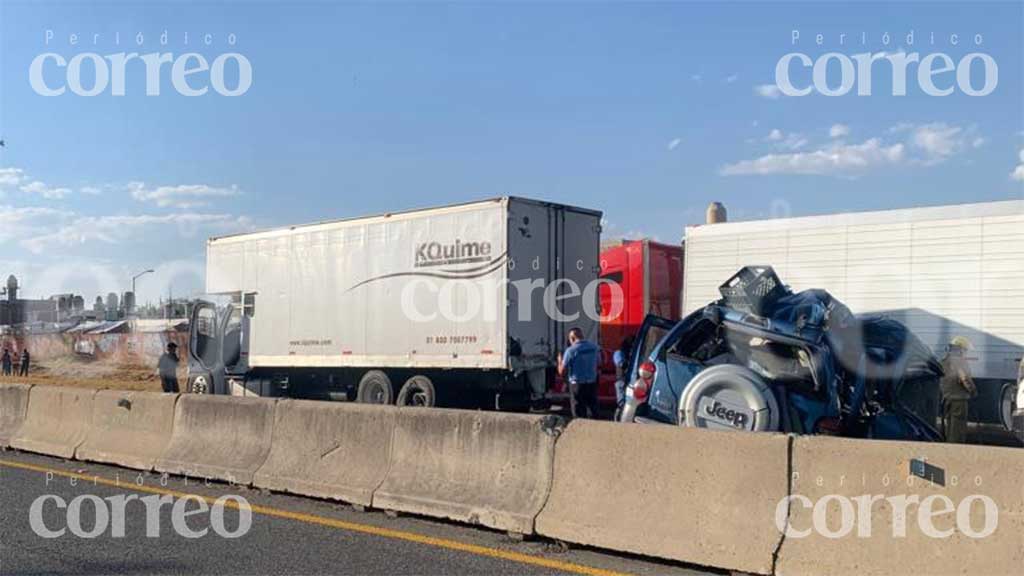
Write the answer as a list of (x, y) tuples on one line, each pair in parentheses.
[(333, 523)]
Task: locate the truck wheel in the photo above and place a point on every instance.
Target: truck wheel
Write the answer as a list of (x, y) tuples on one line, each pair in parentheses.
[(417, 391), (375, 388), (199, 385), (1006, 407)]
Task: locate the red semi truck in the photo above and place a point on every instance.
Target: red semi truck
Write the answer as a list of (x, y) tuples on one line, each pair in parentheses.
[(650, 277), (640, 277)]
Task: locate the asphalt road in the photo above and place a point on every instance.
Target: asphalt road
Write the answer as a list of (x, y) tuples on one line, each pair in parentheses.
[(286, 535)]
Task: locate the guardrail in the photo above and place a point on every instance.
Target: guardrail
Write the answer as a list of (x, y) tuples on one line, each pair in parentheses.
[(757, 503)]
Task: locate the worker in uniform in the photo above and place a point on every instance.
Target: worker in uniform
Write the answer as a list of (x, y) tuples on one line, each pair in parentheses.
[(168, 368), (579, 366), (957, 388)]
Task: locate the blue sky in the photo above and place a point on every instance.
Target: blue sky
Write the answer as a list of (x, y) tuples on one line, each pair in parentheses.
[(647, 111)]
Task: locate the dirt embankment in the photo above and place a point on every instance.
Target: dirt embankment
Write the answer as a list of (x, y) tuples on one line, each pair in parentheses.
[(101, 374)]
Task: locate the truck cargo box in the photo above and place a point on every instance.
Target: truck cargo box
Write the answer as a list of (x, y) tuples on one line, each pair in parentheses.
[(446, 287)]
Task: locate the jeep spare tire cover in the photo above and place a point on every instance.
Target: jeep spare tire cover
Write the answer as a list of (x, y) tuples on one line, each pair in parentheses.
[(729, 397)]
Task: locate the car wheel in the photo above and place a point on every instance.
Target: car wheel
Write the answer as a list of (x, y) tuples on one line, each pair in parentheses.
[(375, 388), (417, 391)]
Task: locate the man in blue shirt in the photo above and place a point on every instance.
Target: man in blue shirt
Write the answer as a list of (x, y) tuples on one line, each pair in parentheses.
[(579, 366), (621, 359)]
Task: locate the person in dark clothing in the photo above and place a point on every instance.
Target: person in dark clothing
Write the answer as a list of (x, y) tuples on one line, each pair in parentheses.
[(168, 368), (579, 366), (621, 359), (23, 368), (6, 362)]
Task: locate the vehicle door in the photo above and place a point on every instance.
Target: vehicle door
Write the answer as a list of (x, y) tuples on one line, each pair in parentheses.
[(205, 350), (678, 361)]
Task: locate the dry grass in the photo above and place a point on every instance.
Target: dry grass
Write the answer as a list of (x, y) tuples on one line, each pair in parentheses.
[(84, 373)]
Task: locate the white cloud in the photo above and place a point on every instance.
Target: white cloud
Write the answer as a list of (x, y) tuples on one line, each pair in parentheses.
[(11, 177), (183, 196), (770, 91), (19, 222), (1018, 172), (905, 143), (114, 229), (834, 159), (938, 141), (48, 192), (838, 131), (791, 141), (696, 78), (16, 179), (794, 141), (60, 250), (674, 143), (732, 78)]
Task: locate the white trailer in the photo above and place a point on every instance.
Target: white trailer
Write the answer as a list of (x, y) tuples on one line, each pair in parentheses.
[(943, 271), (401, 306)]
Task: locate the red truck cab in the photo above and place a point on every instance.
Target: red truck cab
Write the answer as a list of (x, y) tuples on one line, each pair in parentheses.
[(640, 277), (649, 277)]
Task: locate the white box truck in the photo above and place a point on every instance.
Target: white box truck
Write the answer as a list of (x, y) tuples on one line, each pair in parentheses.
[(425, 307), (943, 271)]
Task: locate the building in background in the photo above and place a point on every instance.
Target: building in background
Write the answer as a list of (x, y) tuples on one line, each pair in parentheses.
[(15, 311)]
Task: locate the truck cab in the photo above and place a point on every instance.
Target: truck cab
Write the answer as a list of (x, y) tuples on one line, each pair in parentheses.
[(218, 348), (639, 277)]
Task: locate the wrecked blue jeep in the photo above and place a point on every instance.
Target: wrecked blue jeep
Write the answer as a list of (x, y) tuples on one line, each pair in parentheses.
[(763, 358)]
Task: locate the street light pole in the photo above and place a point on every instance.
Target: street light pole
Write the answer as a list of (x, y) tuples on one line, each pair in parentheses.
[(131, 312)]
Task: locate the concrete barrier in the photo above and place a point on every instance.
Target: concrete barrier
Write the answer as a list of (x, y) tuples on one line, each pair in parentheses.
[(219, 437), (56, 422), (946, 535), (482, 468), (13, 406), (128, 428), (699, 496), (328, 450)]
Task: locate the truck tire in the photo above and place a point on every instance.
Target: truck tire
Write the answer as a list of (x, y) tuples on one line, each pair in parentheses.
[(199, 384), (418, 390), (375, 388), (1006, 406)]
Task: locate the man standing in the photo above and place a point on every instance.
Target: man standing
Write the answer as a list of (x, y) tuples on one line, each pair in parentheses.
[(5, 362), (957, 388), (579, 366), (621, 359), (168, 368), (23, 367)]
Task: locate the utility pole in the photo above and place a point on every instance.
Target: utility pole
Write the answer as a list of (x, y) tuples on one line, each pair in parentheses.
[(135, 296)]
